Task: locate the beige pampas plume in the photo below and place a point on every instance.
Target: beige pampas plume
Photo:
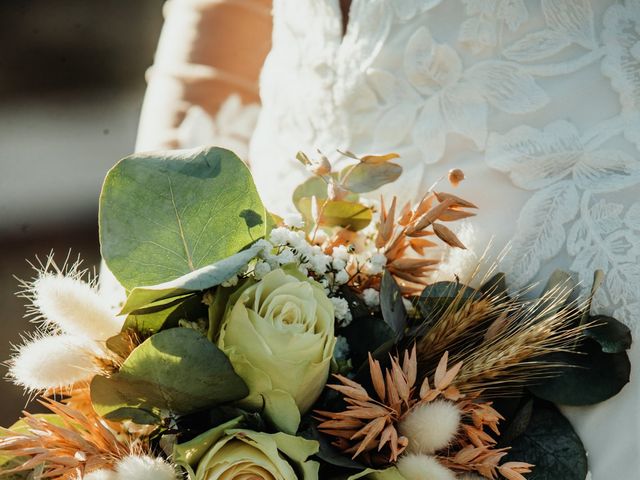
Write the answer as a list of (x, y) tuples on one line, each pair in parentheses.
[(75, 321), (431, 426), (53, 362), (144, 467), (423, 467), (73, 306)]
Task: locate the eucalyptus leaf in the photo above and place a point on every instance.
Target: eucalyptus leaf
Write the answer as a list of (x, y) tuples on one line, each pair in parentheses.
[(393, 311), (551, 444), (164, 215), (612, 335), (367, 177), (366, 334), (198, 280), (327, 452), (559, 291), (495, 287), (517, 423), (177, 371), (591, 376), (437, 297), (312, 187), (342, 213), (161, 316)]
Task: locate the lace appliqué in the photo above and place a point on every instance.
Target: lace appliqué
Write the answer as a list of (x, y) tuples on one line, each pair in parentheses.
[(571, 172), (231, 128)]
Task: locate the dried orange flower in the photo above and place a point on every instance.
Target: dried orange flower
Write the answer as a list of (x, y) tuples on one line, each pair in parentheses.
[(369, 425)]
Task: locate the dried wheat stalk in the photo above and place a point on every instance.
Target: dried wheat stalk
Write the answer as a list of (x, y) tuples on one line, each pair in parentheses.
[(511, 348)]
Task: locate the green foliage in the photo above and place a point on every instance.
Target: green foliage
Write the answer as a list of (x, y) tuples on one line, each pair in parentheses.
[(391, 305), (612, 336), (196, 281), (164, 215), (367, 177), (338, 213), (439, 296), (550, 443), (590, 376), (175, 371), (166, 314)]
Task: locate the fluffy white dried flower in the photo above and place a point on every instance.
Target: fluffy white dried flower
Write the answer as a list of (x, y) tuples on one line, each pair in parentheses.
[(431, 426), (101, 474), (144, 468), (53, 362), (74, 306), (423, 467)]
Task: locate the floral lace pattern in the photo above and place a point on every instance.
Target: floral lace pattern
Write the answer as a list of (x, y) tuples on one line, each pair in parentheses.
[(496, 79)]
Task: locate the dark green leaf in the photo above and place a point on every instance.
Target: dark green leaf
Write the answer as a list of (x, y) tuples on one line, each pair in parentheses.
[(328, 452), (517, 423), (164, 215), (612, 335), (591, 376), (177, 370), (495, 287), (437, 297), (551, 444), (364, 335), (391, 305)]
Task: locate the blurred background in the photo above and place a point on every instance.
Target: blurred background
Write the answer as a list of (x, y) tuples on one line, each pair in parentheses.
[(71, 87)]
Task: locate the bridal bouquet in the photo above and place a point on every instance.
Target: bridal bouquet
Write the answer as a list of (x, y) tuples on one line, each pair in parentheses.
[(314, 346)]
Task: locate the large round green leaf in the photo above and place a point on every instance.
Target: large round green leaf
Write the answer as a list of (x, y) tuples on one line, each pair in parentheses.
[(164, 215), (177, 370), (591, 376), (550, 443)]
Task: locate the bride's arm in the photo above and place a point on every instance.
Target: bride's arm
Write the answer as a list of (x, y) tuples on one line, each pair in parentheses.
[(208, 50)]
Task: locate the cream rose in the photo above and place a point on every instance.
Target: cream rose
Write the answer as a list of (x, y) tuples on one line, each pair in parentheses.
[(245, 454), (279, 335)]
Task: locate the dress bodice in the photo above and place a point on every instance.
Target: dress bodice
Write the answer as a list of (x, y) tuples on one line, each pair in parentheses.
[(538, 101)]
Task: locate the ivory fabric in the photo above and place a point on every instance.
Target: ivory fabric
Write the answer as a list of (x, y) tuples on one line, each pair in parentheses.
[(538, 101)]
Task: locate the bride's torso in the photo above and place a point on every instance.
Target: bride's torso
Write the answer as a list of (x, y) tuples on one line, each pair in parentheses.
[(537, 101)]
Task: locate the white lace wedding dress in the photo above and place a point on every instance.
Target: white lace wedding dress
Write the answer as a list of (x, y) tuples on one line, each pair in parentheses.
[(538, 101)]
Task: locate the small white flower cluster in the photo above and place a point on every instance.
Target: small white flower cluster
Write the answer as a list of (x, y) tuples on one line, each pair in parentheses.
[(374, 265), (371, 297), (342, 311), (286, 246), (341, 350)]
